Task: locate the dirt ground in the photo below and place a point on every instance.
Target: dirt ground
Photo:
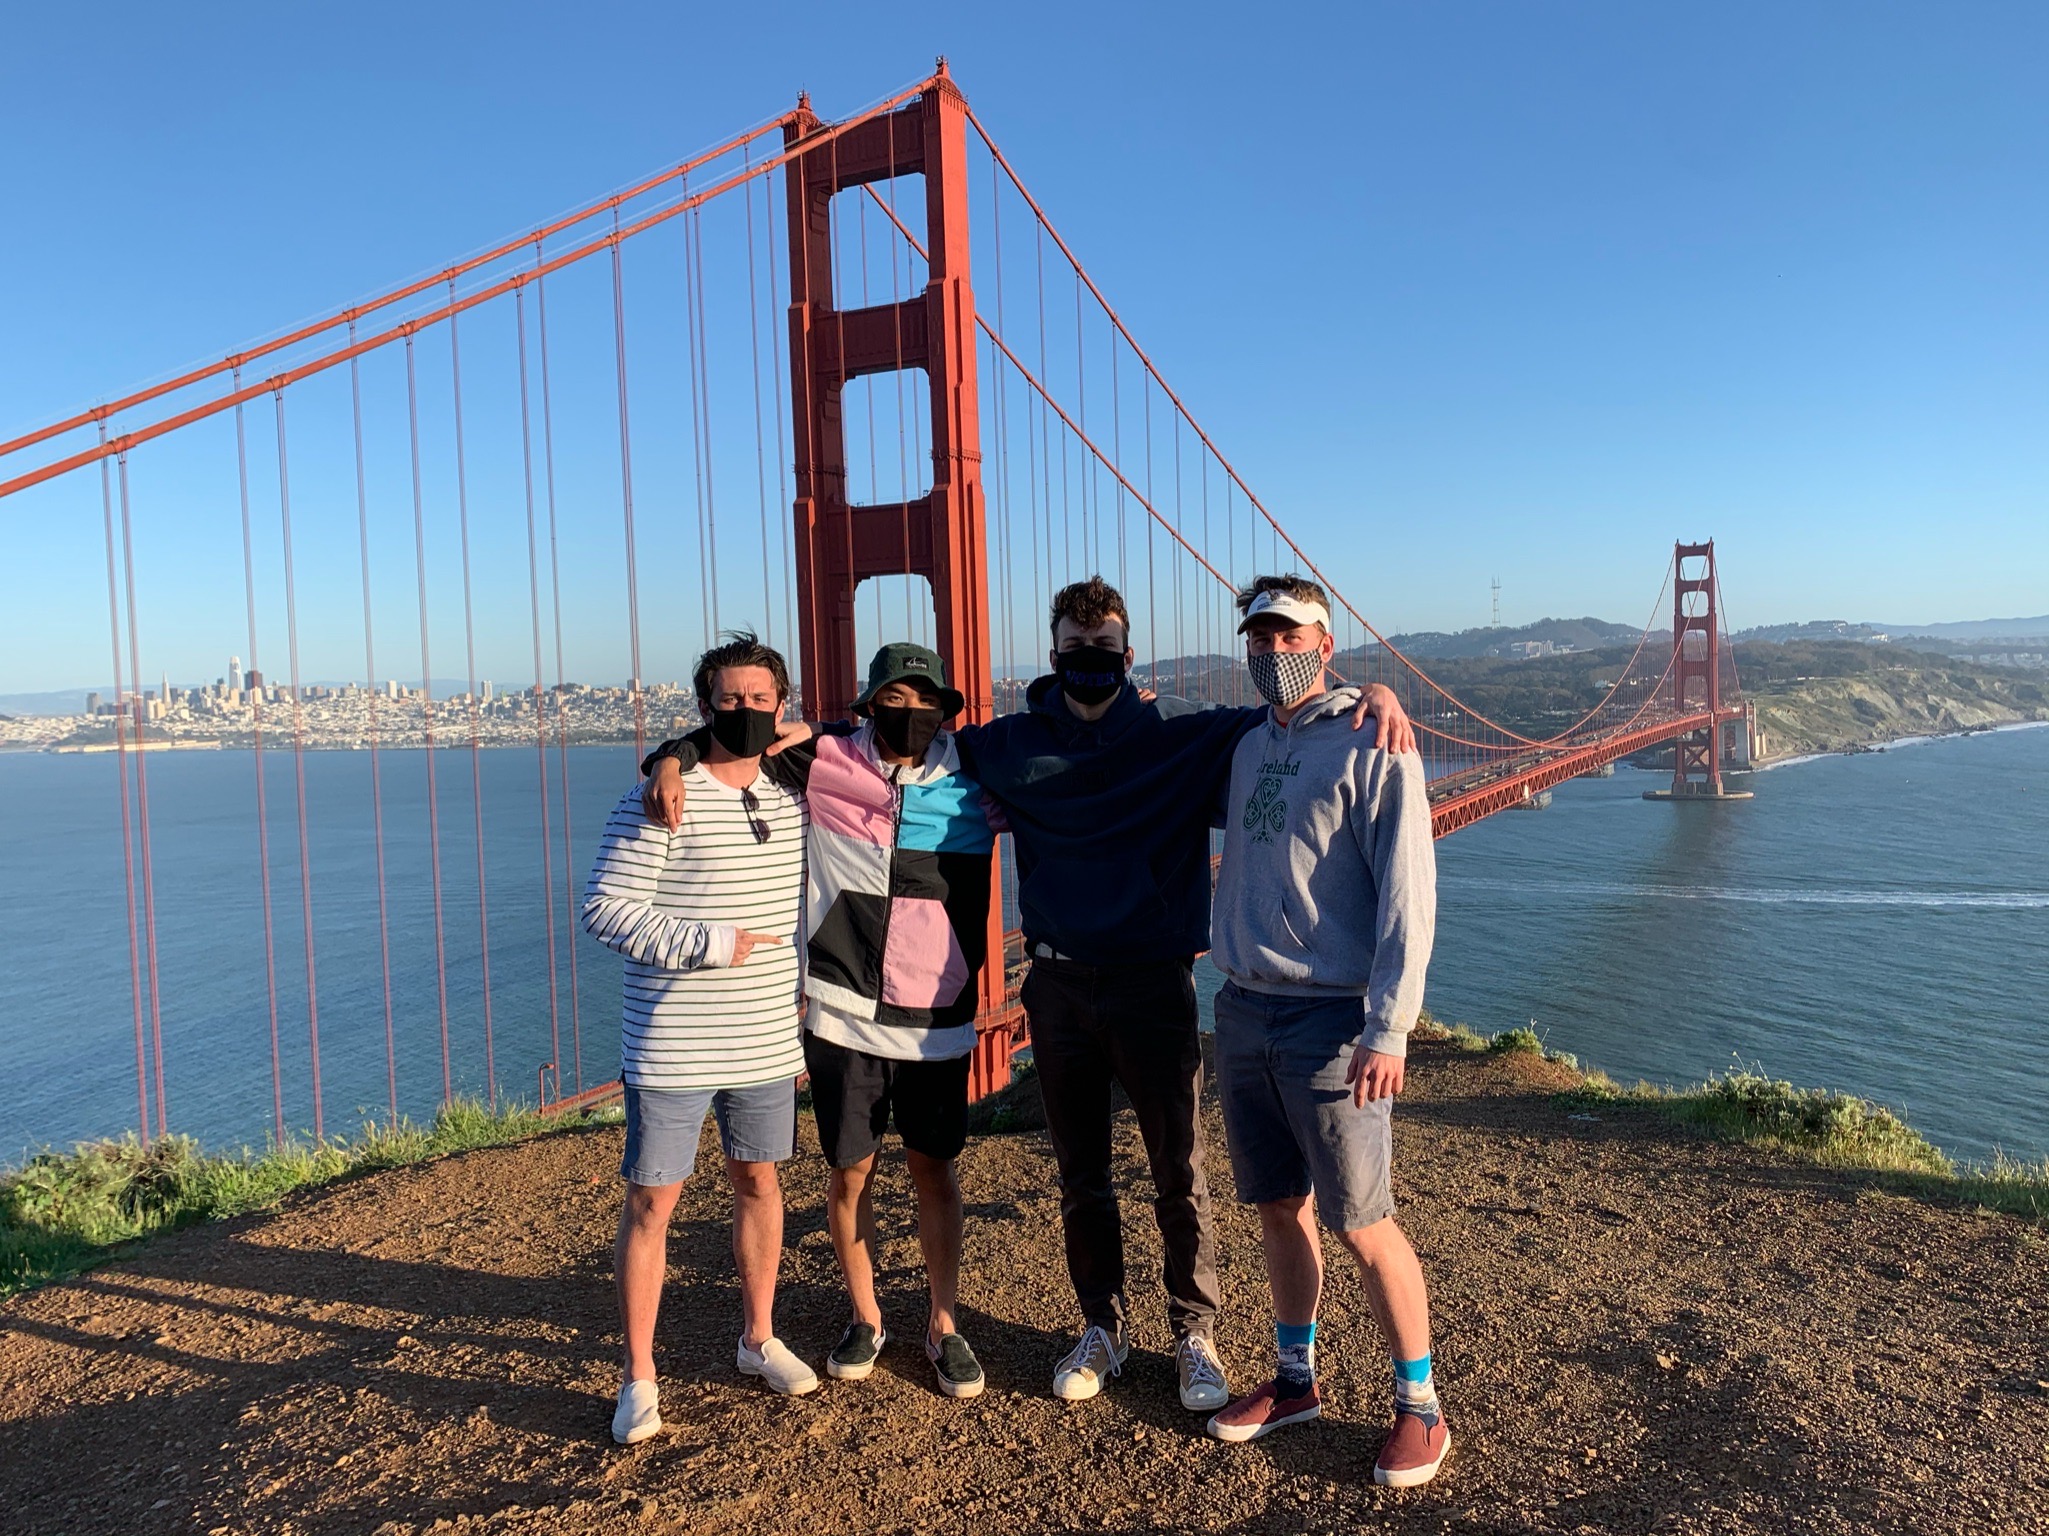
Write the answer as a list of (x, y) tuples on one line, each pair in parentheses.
[(1637, 1330)]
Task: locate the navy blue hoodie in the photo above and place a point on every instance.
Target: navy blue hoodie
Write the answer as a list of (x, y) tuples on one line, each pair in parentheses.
[(1110, 818)]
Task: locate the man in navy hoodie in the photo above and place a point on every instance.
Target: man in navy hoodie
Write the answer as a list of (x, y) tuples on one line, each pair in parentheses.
[(1110, 797)]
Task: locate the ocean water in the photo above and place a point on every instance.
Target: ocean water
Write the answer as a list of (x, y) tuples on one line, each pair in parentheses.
[(1876, 923)]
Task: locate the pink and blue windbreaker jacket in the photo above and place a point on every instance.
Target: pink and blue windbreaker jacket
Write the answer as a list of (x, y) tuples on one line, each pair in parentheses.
[(896, 908)]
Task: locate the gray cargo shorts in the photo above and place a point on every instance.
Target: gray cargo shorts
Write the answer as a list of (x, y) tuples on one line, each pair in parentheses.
[(1288, 1111)]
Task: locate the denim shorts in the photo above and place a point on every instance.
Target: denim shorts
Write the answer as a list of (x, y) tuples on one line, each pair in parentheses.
[(757, 1124), (1288, 1111)]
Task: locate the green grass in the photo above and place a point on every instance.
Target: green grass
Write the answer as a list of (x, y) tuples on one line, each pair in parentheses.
[(1835, 1130), (63, 1212)]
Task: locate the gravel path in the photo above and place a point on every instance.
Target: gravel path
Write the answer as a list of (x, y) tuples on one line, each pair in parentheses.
[(1637, 1330)]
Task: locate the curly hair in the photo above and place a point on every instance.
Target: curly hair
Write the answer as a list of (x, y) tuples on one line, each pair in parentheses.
[(742, 648), (1089, 603)]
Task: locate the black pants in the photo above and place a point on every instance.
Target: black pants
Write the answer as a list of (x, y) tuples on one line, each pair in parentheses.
[(1134, 1025)]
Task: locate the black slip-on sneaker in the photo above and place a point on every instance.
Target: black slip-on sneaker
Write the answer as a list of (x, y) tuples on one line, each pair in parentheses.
[(854, 1356), (959, 1372)]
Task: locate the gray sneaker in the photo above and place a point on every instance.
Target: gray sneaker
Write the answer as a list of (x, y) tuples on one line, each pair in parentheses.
[(1201, 1373), (1095, 1358)]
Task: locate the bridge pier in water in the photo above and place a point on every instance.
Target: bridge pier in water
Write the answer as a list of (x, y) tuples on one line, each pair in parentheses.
[(1697, 757)]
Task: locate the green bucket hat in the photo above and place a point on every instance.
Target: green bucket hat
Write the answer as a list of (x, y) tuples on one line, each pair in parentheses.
[(904, 662)]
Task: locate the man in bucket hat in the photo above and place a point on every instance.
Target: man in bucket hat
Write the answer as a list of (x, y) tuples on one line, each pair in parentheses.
[(896, 922)]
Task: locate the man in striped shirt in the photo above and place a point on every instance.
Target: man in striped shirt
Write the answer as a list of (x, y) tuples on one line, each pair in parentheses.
[(705, 916)]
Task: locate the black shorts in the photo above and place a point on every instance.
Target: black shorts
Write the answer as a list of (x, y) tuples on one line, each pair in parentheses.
[(854, 1094)]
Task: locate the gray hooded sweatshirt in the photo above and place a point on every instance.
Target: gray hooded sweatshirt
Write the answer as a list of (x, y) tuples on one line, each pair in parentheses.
[(1329, 878)]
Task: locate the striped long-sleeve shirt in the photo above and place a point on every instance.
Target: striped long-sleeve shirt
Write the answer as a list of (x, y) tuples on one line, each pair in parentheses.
[(672, 904)]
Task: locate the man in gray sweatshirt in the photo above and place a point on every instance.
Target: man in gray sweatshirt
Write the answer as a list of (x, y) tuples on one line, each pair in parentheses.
[(1325, 907)]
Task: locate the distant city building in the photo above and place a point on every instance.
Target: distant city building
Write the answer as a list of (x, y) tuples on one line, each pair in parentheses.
[(92, 703), (234, 674), (487, 690)]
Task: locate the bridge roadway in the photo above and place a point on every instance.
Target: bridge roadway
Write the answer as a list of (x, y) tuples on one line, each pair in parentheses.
[(1460, 799)]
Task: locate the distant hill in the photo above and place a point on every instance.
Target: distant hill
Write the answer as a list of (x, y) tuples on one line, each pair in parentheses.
[(1979, 631), (1587, 634), (2036, 629)]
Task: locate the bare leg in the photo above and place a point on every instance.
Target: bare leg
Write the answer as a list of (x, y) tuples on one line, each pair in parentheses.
[(1394, 1286), (1294, 1258), (850, 1215), (757, 1244), (939, 1234), (640, 1258)]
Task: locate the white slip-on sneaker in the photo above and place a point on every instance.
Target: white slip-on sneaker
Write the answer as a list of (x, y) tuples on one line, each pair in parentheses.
[(639, 1415), (1201, 1373), (1094, 1359), (775, 1365)]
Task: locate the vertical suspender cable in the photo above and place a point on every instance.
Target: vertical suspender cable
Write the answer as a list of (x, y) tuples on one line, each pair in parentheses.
[(1180, 520), (1092, 556), (561, 725), (785, 512), (626, 496), (711, 502), (376, 770), (811, 487), (277, 1091), (768, 629), (700, 426), (874, 483), (533, 582), (149, 898), (427, 720), (1005, 590), (469, 636), (832, 254), (1117, 456), (284, 507), (706, 584), (1046, 444), (1205, 634), (1000, 399), (1152, 598), (128, 830), (896, 315)]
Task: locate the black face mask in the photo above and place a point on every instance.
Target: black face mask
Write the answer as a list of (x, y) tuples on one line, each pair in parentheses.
[(905, 730), (744, 732), (1090, 674)]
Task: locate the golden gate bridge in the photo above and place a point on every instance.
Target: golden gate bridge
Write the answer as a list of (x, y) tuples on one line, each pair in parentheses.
[(1033, 440)]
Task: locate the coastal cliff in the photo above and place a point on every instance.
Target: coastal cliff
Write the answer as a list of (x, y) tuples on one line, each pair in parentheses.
[(1840, 698)]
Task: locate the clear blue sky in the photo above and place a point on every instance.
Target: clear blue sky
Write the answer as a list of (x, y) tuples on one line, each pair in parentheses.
[(1467, 290)]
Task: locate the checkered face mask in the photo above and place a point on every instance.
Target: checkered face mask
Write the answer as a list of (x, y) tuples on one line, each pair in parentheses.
[(1284, 677)]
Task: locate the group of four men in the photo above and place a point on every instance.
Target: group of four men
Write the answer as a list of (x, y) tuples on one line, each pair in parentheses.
[(765, 875)]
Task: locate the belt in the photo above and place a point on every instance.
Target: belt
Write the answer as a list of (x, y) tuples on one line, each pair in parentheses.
[(1048, 952)]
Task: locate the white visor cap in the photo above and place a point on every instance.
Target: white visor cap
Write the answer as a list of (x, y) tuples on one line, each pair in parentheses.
[(1281, 605)]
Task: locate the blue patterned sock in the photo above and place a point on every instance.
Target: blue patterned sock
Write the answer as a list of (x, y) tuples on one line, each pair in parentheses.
[(1414, 1390), (1295, 1344)]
